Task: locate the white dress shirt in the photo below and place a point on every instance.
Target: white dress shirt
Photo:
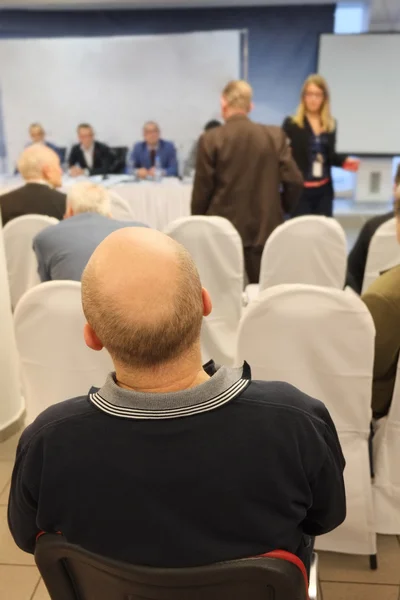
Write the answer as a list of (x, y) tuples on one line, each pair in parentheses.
[(89, 155)]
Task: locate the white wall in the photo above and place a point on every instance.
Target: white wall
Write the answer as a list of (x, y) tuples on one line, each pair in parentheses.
[(115, 83)]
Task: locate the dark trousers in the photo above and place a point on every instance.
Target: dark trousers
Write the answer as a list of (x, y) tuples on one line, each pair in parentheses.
[(315, 201), (252, 262)]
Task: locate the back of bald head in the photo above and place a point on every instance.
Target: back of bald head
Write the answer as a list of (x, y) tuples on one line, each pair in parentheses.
[(142, 296), (35, 159)]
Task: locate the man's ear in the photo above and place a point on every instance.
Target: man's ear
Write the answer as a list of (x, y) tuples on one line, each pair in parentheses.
[(207, 304), (68, 212), (91, 339)]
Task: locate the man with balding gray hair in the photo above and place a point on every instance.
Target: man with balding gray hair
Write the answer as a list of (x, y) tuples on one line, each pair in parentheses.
[(40, 168), (63, 250), (245, 172), (172, 464)]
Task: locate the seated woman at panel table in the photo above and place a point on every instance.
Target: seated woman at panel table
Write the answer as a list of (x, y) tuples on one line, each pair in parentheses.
[(383, 301), (63, 250)]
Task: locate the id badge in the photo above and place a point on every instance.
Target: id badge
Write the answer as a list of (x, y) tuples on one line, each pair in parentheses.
[(317, 169)]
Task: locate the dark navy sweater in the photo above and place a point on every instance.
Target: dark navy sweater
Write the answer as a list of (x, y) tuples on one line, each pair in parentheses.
[(229, 469)]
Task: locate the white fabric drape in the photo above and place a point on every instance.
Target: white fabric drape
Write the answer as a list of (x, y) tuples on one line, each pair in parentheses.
[(22, 264), (386, 445), (56, 364), (216, 248), (322, 341), (383, 253), (12, 404)]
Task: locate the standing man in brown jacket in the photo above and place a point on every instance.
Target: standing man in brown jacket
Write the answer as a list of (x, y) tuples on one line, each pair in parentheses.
[(245, 172)]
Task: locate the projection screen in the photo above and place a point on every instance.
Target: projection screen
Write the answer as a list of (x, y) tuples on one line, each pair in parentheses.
[(362, 74)]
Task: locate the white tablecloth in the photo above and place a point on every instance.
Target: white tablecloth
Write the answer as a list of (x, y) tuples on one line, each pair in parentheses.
[(155, 204)]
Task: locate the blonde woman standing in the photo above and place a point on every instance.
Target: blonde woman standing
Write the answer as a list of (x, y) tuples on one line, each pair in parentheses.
[(312, 136)]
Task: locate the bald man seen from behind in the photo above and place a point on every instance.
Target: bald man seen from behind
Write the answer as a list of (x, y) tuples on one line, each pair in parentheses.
[(172, 464), (40, 168)]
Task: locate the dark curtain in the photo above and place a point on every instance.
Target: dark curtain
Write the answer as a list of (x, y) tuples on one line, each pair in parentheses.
[(283, 41)]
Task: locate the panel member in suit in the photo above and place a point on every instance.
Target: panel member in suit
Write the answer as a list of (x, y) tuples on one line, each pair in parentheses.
[(40, 168), (90, 157), (312, 134), (240, 170), (64, 250), (145, 154), (38, 135)]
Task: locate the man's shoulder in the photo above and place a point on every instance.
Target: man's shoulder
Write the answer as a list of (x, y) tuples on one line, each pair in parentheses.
[(101, 145), (284, 398), (12, 194), (57, 416), (167, 144), (386, 287)]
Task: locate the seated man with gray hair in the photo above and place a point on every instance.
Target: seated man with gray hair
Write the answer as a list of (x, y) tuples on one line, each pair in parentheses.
[(63, 250), (41, 170), (172, 464)]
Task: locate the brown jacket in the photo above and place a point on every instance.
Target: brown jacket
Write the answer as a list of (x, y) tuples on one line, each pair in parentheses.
[(245, 173), (383, 301)]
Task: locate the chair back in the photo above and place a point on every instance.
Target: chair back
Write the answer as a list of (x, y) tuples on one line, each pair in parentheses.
[(383, 253), (308, 250), (120, 154), (216, 248), (321, 340), (55, 362), (386, 445), (22, 265), (71, 573), (120, 208)]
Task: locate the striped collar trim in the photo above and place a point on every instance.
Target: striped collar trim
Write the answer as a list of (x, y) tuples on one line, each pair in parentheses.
[(118, 402)]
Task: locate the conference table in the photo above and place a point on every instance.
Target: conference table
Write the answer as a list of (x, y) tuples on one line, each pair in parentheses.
[(154, 203)]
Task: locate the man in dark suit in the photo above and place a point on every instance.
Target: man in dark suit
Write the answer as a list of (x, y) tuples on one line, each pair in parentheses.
[(245, 172), (90, 157), (40, 167)]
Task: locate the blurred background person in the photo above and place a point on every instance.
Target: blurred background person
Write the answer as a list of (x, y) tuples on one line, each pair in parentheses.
[(38, 135), (312, 135), (359, 254), (153, 153), (245, 172), (190, 164), (63, 250), (383, 301), (90, 157), (40, 168)]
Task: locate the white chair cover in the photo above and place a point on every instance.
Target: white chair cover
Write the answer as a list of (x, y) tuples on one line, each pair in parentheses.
[(307, 249), (12, 403), (386, 444), (56, 364), (322, 341), (120, 209), (21, 259), (216, 248), (383, 253)]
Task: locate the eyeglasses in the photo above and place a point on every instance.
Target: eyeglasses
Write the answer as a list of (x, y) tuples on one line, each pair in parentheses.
[(314, 94)]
